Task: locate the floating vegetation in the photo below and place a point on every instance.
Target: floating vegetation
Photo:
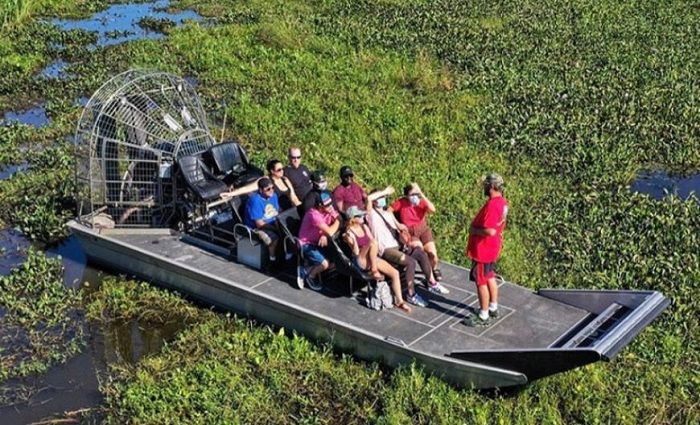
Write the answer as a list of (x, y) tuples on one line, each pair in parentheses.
[(41, 326), (162, 25)]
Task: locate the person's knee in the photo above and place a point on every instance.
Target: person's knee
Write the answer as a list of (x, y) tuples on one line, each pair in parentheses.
[(324, 265)]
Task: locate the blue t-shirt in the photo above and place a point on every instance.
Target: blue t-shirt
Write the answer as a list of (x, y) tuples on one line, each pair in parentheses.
[(260, 208)]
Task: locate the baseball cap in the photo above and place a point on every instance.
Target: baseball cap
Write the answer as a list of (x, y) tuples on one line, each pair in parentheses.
[(494, 180), (354, 211), (264, 182), (318, 176), (324, 199), (345, 171)]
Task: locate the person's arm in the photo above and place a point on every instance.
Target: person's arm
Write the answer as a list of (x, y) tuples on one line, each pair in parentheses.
[(292, 194), (250, 187), (328, 231), (338, 199), (389, 190), (349, 238), (429, 205), (482, 231)]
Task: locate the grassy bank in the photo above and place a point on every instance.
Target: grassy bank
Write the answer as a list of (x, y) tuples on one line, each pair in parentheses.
[(566, 99)]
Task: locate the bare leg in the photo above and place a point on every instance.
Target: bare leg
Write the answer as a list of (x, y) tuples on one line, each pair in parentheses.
[(393, 274), (484, 299), (318, 269), (493, 291)]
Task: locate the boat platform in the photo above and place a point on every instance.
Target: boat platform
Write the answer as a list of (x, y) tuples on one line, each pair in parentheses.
[(536, 334)]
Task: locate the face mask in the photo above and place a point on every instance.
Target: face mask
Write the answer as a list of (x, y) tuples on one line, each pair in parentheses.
[(415, 199), (381, 202), (322, 185)]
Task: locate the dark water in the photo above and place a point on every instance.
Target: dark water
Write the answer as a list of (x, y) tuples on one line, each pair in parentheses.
[(659, 183), (13, 247), (119, 23), (74, 385), (35, 116)]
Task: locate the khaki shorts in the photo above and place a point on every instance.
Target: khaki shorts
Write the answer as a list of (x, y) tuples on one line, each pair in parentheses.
[(394, 255)]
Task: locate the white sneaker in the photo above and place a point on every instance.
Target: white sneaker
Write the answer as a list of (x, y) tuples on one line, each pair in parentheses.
[(438, 289), (301, 275)]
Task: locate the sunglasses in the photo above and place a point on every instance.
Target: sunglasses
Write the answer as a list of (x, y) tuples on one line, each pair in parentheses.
[(269, 188), (294, 157), (277, 170)]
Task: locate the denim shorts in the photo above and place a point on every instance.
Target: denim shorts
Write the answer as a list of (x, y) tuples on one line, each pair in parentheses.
[(314, 254)]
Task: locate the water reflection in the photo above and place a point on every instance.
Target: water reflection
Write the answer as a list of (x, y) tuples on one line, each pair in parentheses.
[(120, 22), (13, 250), (35, 116), (659, 183)]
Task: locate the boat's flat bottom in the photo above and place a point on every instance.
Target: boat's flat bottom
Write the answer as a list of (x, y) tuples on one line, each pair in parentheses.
[(526, 320)]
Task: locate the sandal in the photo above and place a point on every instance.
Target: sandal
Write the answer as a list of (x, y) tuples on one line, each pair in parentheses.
[(403, 305), (437, 274)]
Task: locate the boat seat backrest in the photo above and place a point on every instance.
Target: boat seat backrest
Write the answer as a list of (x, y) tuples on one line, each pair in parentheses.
[(199, 179), (231, 164), (342, 257), (228, 158), (290, 222)]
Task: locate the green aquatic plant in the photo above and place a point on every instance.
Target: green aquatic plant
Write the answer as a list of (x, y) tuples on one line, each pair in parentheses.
[(41, 325)]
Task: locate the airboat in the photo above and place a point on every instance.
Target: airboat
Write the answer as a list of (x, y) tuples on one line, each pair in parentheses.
[(153, 201)]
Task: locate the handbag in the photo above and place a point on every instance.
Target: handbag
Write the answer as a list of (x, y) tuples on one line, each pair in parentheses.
[(403, 237)]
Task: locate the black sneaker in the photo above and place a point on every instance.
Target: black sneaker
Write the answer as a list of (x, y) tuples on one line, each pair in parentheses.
[(475, 321), (313, 283), (437, 274), (494, 314)]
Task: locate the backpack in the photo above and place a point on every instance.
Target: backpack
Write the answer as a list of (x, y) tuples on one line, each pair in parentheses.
[(379, 297)]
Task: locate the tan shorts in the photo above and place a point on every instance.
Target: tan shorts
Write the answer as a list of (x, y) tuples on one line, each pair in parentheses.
[(394, 255)]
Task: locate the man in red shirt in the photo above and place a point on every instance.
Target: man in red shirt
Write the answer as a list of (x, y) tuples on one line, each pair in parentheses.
[(484, 247), (348, 193)]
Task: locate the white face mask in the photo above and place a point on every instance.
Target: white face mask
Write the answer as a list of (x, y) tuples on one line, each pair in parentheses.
[(415, 199), (381, 202), (322, 185)]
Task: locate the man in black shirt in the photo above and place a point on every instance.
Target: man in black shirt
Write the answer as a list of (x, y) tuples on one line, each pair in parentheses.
[(298, 174), (311, 199)]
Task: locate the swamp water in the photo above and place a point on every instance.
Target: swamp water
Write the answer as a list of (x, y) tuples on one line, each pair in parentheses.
[(659, 183), (74, 385)]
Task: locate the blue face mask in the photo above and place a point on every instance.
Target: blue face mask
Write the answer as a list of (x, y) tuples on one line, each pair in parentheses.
[(415, 199), (381, 202)]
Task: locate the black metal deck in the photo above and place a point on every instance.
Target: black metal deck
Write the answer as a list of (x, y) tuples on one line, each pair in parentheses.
[(527, 320)]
